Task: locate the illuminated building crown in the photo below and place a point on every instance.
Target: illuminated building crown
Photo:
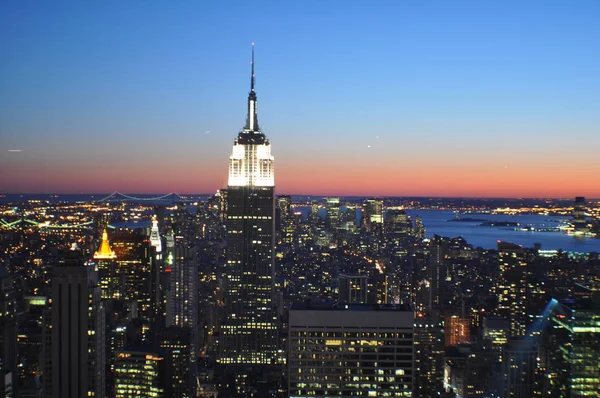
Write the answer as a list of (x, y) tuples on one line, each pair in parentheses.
[(104, 252), (251, 163), (154, 236)]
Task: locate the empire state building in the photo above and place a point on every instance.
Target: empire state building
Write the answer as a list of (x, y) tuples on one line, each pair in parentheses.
[(248, 334)]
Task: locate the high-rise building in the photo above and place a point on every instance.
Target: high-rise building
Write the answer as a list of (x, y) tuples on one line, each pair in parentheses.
[(397, 224), (574, 351), (333, 213), (350, 350), (107, 270), (437, 272), (74, 352), (373, 213), (136, 260), (520, 363), (429, 355), (284, 202), (579, 220), (139, 374), (8, 335), (182, 293), (249, 329), (177, 348), (511, 287)]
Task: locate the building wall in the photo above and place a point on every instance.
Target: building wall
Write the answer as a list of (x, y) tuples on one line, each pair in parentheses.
[(342, 353)]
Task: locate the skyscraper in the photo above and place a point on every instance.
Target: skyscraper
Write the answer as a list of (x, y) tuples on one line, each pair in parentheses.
[(8, 335), (249, 329), (74, 352), (512, 287), (139, 374)]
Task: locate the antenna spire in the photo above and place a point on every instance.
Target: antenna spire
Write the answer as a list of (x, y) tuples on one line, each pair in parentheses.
[(252, 76), (252, 118)]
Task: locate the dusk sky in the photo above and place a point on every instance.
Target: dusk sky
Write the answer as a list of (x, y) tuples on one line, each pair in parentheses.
[(406, 98)]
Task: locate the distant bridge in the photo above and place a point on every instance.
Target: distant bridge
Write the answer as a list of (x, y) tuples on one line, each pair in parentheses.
[(121, 197), (45, 225)]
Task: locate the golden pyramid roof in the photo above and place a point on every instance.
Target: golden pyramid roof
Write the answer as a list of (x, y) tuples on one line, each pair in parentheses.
[(104, 252)]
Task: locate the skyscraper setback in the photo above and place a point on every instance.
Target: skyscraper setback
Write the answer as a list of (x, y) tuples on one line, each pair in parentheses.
[(249, 330)]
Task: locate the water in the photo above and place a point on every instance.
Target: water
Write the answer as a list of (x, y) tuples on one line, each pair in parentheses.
[(436, 222)]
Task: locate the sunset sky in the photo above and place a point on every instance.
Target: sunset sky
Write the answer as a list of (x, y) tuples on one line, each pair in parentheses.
[(404, 98)]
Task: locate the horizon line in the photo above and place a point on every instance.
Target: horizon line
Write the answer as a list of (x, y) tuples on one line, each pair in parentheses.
[(312, 195)]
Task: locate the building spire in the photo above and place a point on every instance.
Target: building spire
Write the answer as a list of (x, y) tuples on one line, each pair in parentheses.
[(252, 118)]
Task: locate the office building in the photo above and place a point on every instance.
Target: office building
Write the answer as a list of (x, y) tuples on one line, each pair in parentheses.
[(496, 329), (248, 333), (574, 351), (332, 220), (139, 374), (74, 350), (350, 350), (429, 355), (177, 349), (373, 213)]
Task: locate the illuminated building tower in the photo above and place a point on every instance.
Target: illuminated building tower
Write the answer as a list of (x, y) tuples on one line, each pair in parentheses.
[(107, 269), (74, 354), (8, 335), (136, 259), (512, 287), (457, 331), (353, 289), (249, 330), (419, 230), (314, 212), (139, 374), (574, 368), (373, 213), (429, 355), (155, 240), (579, 221), (182, 293), (284, 202), (333, 213), (351, 350)]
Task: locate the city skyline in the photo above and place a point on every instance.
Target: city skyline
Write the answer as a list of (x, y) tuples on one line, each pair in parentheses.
[(460, 100)]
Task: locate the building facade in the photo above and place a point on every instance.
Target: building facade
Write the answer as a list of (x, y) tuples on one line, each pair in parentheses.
[(248, 333), (351, 350)]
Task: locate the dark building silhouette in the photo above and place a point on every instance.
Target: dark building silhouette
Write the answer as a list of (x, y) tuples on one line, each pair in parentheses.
[(74, 349), (8, 335)]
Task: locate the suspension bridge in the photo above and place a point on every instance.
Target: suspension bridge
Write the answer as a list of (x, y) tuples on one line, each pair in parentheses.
[(121, 197)]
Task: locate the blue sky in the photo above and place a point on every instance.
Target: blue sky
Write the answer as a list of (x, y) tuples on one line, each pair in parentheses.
[(354, 88)]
